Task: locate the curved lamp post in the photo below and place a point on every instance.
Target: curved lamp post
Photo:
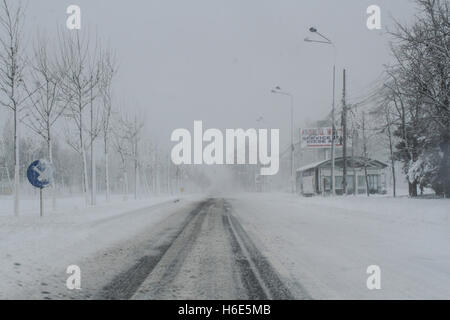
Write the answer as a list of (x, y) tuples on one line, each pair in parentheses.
[(278, 90), (327, 41)]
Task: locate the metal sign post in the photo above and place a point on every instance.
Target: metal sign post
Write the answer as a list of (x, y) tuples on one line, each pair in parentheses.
[(40, 175), (41, 202)]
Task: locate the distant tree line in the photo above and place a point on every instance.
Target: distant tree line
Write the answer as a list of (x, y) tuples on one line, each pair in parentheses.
[(60, 95)]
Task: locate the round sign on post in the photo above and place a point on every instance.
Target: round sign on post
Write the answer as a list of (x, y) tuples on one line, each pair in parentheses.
[(40, 175)]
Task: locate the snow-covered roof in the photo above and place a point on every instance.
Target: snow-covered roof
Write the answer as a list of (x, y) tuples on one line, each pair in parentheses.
[(311, 165), (356, 162)]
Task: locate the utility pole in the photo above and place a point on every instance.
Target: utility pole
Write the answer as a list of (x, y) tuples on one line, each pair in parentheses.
[(333, 129), (344, 135), (354, 147), (292, 147), (135, 142), (169, 187), (333, 136), (278, 90)]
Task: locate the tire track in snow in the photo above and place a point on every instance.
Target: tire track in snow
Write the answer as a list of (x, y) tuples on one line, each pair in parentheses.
[(209, 256), (126, 283)]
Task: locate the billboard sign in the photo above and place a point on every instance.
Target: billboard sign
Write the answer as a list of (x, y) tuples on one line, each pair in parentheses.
[(319, 138)]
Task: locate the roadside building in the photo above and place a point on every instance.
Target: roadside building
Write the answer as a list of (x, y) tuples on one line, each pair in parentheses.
[(315, 178)]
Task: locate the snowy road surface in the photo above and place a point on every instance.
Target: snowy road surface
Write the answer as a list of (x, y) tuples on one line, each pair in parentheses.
[(251, 246), (35, 252), (211, 257)]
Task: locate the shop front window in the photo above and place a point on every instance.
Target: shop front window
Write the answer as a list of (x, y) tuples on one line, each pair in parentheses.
[(374, 182), (338, 181), (327, 183), (350, 184)]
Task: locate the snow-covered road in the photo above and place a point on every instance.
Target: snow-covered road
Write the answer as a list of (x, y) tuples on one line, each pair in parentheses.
[(232, 247), (212, 258)]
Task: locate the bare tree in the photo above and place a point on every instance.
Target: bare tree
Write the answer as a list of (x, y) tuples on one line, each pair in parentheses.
[(122, 147), (109, 69), (12, 65), (79, 74), (131, 130)]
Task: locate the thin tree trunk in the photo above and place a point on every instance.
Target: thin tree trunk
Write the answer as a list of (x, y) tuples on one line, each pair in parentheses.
[(367, 180), (135, 180), (447, 169), (412, 189), (50, 158), (125, 178), (365, 153), (93, 167), (136, 177), (85, 176), (16, 164), (355, 182), (83, 154), (84, 160), (94, 178), (394, 179), (391, 150), (107, 169)]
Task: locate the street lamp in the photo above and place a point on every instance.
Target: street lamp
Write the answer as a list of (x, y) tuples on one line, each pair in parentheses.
[(333, 135), (278, 90)]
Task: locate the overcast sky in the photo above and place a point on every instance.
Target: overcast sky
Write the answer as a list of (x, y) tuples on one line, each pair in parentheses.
[(217, 61)]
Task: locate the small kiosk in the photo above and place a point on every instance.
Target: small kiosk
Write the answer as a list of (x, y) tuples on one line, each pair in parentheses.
[(315, 178)]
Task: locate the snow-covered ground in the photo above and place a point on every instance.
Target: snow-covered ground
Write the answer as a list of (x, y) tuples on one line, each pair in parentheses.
[(32, 249), (320, 245), (326, 244), (29, 204)]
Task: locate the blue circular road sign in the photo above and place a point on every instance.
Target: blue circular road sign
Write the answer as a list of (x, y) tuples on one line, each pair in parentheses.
[(40, 173)]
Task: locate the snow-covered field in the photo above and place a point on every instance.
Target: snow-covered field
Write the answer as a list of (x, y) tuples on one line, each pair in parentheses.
[(32, 248), (326, 244)]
